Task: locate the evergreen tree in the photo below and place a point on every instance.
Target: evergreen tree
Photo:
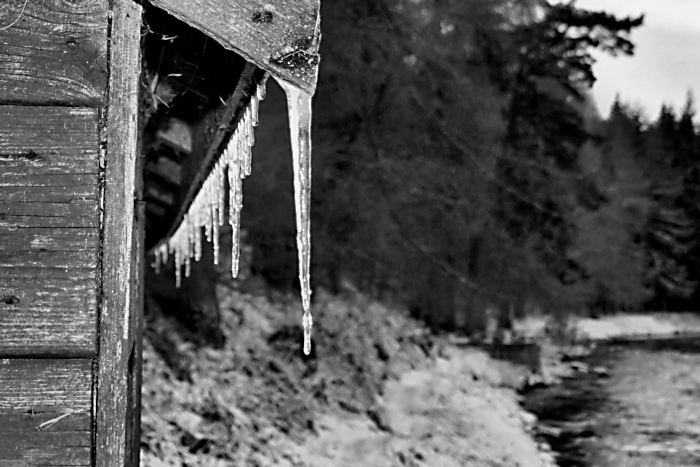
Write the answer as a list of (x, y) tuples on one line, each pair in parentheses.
[(670, 231), (550, 69), (609, 245)]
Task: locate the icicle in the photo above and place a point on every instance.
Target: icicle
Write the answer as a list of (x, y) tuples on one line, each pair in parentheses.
[(207, 208), (190, 245), (250, 128), (220, 187), (234, 198), (299, 106), (218, 207), (261, 91), (254, 108), (197, 234)]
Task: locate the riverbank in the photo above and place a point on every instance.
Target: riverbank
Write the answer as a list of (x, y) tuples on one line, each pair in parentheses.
[(624, 394)]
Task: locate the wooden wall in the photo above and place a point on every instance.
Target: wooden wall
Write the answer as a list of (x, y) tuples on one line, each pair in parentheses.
[(67, 192)]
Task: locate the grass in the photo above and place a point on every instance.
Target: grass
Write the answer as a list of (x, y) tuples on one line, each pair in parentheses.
[(250, 402)]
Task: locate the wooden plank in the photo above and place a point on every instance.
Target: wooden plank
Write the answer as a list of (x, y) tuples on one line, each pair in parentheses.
[(45, 386), (48, 214), (121, 192), (55, 53), (281, 36), (49, 164), (48, 240), (33, 392), (50, 248), (48, 291), (13, 180), (36, 138), (48, 312), (49, 258), (57, 194)]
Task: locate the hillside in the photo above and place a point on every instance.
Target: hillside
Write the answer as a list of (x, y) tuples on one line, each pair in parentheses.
[(378, 390)]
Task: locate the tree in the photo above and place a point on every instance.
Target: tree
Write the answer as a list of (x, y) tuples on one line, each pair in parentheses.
[(609, 245), (550, 69)]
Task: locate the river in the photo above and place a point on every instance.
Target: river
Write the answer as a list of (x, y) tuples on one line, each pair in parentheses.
[(644, 411)]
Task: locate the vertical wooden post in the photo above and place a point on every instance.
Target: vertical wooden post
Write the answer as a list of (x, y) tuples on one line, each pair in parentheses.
[(133, 427), (120, 251)]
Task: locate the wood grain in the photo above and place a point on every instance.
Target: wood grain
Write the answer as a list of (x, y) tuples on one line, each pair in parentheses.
[(48, 140), (49, 164), (49, 217), (48, 311), (33, 392), (119, 257), (55, 54), (281, 36)]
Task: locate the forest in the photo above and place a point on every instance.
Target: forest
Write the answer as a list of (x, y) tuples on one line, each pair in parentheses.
[(460, 164)]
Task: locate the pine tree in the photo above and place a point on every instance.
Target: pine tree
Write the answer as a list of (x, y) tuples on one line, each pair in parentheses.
[(670, 230), (609, 245), (550, 69)]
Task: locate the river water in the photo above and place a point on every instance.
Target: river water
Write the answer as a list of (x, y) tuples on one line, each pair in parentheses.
[(644, 413)]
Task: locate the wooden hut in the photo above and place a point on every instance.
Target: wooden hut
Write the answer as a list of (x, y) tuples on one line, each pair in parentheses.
[(72, 214)]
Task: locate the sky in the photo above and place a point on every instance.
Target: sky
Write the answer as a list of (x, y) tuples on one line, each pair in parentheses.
[(666, 63)]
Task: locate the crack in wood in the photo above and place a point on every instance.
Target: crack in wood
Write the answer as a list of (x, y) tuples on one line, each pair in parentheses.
[(28, 156)]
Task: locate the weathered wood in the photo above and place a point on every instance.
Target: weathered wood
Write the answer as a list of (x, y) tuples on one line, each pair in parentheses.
[(133, 427), (47, 258), (48, 241), (56, 194), (281, 36), (55, 53), (41, 139), (49, 163), (121, 192), (33, 392), (48, 311), (48, 214), (45, 385), (48, 292)]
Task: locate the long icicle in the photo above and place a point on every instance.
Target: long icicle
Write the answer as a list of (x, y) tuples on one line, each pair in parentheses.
[(299, 106)]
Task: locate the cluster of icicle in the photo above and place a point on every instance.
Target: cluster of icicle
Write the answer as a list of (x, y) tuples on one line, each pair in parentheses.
[(207, 209)]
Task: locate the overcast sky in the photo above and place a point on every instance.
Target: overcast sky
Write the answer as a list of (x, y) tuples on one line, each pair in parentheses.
[(667, 56)]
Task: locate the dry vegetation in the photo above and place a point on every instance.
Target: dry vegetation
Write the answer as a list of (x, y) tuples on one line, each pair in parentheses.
[(244, 403), (378, 389)]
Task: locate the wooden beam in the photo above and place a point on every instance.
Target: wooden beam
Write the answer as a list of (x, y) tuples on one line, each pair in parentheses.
[(281, 36), (119, 250), (53, 52), (210, 136)]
